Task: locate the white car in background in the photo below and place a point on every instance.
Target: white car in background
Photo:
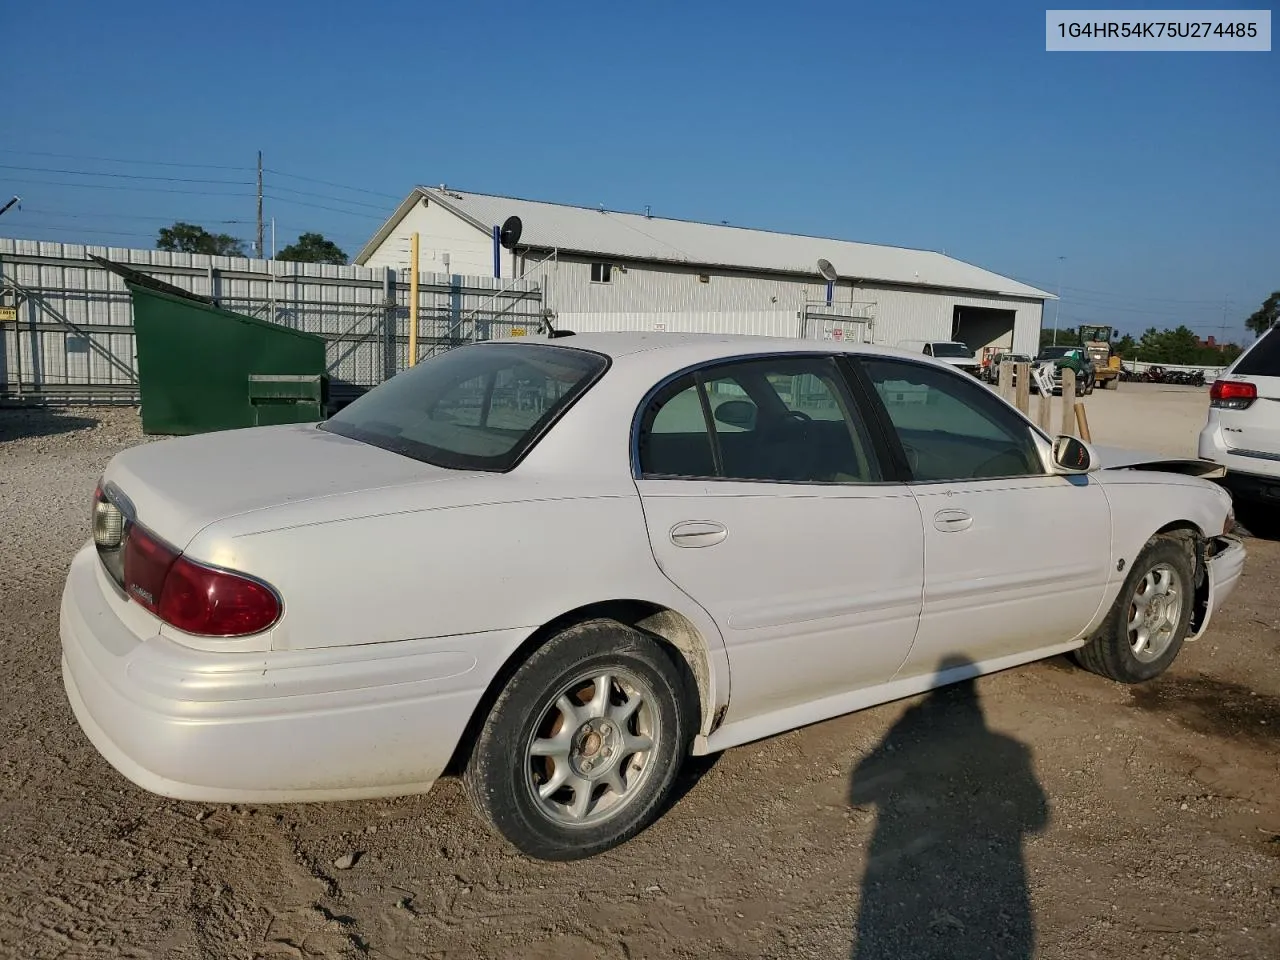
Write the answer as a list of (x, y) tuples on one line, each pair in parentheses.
[(951, 352), (1242, 432), (561, 565)]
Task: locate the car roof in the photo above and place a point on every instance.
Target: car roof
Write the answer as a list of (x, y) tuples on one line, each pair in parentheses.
[(664, 347)]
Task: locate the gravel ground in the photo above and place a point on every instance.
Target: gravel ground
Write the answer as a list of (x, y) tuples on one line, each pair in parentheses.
[(1042, 811)]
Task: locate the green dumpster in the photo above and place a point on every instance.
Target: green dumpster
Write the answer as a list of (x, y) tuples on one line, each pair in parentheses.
[(203, 368)]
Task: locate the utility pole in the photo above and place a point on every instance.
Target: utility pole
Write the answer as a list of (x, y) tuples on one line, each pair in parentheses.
[(1056, 302), (261, 255), (10, 204)]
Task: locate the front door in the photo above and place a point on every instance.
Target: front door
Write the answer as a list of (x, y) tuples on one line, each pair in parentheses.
[(766, 502), (1016, 558)]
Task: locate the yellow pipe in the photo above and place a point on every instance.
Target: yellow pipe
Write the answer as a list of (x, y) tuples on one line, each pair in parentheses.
[(413, 302)]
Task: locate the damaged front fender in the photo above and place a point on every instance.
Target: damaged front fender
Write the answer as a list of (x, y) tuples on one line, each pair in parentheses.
[(1219, 562)]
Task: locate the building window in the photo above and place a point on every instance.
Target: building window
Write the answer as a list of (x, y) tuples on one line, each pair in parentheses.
[(602, 273), (704, 278)]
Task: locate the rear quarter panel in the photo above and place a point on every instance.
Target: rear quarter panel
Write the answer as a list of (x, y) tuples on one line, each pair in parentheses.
[(494, 554)]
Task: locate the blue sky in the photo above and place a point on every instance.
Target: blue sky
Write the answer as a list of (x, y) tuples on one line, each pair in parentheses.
[(945, 126)]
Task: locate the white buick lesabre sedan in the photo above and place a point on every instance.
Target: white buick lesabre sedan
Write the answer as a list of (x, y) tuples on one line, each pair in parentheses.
[(560, 565)]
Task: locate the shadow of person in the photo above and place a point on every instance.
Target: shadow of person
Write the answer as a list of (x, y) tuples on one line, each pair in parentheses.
[(945, 876)]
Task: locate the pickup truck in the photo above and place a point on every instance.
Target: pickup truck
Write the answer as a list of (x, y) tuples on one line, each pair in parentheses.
[(1063, 357)]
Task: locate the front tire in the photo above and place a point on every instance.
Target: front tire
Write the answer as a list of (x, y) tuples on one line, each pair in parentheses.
[(581, 748), (1150, 619)]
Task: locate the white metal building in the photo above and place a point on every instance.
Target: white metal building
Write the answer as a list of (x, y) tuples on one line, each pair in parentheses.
[(605, 270)]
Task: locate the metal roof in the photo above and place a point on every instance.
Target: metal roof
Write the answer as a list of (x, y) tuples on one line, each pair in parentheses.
[(619, 344), (636, 236)]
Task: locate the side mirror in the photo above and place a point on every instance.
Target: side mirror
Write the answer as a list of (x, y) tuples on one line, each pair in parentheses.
[(737, 413), (1072, 455)]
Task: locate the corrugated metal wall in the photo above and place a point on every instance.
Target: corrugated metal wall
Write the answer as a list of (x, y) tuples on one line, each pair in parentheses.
[(643, 296), (776, 323), (73, 338)]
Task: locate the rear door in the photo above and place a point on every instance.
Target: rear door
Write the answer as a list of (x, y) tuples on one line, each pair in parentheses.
[(1255, 428), (766, 501)]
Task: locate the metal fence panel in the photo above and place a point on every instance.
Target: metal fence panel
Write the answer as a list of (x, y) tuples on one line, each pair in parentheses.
[(73, 338)]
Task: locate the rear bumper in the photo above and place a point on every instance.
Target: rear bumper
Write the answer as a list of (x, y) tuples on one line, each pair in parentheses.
[(334, 723), (1251, 475), (1225, 569)]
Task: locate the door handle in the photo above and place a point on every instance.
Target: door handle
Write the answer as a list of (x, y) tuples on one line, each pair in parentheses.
[(952, 521), (698, 533)]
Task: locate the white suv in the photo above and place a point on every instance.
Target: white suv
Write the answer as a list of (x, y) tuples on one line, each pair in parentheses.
[(1243, 433)]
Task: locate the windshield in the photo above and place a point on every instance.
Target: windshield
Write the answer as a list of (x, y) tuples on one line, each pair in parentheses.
[(951, 350), (478, 407), (1053, 353)]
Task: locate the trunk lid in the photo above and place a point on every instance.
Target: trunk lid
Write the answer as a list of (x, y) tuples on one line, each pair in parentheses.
[(181, 485)]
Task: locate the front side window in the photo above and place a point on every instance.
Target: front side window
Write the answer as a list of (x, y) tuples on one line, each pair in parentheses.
[(479, 407), (950, 427), (784, 419)]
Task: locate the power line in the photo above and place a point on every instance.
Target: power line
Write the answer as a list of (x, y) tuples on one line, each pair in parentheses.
[(327, 196), (91, 215), (317, 206), (104, 186), (81, 230), (1119, 296), (329, 183), (154, 163), (125, 176)]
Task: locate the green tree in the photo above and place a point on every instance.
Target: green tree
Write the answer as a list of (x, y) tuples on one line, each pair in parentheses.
[(313, 248), (192, 238), (1067, 336), (1125, 346), (1179, 345), (1266, 316)]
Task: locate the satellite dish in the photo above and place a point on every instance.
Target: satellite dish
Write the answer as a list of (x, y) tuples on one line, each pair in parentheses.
[(827, 270), (510, 234)]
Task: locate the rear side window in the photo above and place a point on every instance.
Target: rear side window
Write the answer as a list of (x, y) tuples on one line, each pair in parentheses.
[(1263, 360), (784, 420), (479, 407)]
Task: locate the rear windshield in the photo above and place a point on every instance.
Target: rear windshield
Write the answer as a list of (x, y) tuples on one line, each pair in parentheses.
[(951, 350), (1263, 360), (1053, 353), (478, 407)]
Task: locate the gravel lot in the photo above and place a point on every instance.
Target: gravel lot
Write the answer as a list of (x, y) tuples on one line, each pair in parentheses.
[(1042, 802)]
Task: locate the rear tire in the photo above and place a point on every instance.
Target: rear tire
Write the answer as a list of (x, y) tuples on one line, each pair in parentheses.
[(1143, 633), (581, 748)]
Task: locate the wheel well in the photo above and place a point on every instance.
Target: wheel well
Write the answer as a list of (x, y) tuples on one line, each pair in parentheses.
[(671, 628), (1195, 542)]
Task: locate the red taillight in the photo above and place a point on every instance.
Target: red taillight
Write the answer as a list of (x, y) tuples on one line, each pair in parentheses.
[(191, 597), (1232, 394), (146, 566), (215, 603)]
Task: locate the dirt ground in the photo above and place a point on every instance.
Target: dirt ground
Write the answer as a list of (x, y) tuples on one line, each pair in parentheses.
[(1162, 418), (1041, 811)]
